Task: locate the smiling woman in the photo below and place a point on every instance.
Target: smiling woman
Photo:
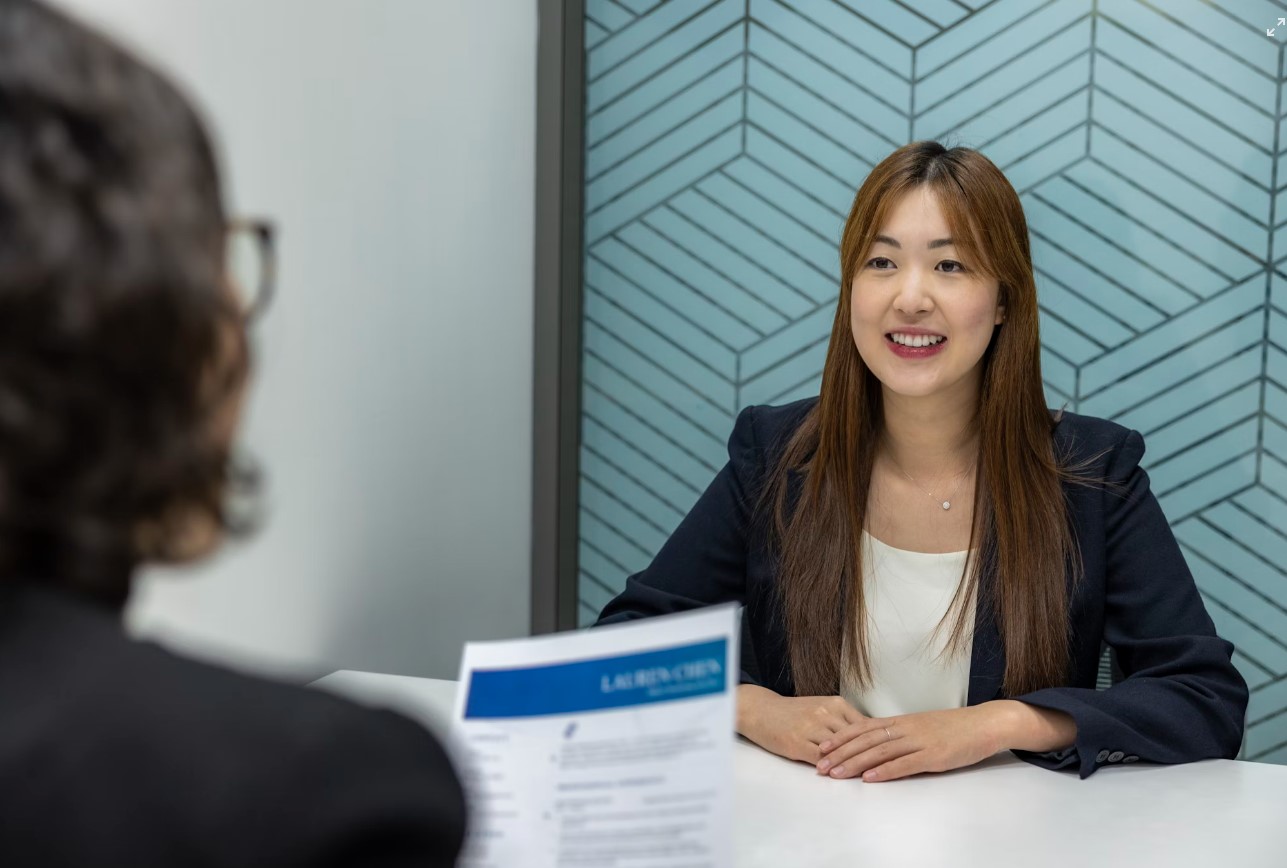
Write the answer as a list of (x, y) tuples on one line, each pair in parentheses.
[(930, 559)]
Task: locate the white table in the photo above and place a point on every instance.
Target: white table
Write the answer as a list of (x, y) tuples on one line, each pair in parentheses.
[(1002, 812)]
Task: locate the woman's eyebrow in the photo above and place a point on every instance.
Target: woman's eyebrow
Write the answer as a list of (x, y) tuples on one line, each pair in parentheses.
[(937, 242)]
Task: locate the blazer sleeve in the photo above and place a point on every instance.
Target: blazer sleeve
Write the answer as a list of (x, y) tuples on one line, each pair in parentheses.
[(704, 561), (1181, 699)]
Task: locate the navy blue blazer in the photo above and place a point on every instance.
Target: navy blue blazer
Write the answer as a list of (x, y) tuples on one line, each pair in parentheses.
[(1181, 698)]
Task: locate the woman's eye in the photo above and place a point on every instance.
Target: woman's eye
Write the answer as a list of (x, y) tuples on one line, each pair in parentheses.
[(876, 262), (959, 267)]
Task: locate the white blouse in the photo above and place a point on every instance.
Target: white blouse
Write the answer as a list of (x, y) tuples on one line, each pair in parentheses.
[(906, 595)]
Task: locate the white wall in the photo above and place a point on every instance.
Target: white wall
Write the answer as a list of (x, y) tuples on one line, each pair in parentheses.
[(393, 143)]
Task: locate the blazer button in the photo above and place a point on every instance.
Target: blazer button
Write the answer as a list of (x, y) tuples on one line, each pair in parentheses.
[(1116, 756), (1131, 759), (1101, 756)]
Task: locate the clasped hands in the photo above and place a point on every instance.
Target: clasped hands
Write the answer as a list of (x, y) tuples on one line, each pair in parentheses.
[(842, 743)]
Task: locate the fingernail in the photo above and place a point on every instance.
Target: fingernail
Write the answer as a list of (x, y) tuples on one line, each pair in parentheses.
[(837, 771), (870, 776), (825, 746), (824, 765)]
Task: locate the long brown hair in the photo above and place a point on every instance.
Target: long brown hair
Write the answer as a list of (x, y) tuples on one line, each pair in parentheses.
[(1020, 534)]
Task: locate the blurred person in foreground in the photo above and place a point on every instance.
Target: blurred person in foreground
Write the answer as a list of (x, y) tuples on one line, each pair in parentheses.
[(123, 362)]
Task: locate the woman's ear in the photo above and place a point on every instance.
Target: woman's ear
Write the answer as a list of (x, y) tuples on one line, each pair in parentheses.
[(1000, 315)]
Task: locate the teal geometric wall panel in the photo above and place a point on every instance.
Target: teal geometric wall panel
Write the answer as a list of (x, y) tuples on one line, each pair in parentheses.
[(724, 143)]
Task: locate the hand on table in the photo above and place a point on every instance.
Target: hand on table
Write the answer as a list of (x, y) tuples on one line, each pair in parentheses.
[(885, 748), (793, 726)]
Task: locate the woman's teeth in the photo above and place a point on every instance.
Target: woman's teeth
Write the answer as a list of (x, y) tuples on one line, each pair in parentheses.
[(916, 340)]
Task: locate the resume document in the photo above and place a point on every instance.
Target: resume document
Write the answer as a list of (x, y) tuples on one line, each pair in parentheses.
[(604, 747)]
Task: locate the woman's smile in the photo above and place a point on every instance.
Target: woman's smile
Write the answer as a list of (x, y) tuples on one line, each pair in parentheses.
[(915, 343)]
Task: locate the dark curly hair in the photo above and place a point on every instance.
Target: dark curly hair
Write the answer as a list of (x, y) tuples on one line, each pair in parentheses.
[(120, 342)]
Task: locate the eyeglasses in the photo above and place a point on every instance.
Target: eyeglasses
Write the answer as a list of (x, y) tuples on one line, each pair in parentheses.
[(252, 264)]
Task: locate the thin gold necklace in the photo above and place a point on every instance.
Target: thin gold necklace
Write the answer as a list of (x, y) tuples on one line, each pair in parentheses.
[(946, 504)]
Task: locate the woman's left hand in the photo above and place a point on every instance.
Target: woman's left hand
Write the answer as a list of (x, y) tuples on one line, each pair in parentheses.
[(885, 748)]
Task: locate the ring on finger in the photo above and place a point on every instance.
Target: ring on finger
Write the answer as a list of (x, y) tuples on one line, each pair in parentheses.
[(888, 737)]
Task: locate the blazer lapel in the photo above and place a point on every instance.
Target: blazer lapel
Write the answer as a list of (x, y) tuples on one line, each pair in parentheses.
[(987, 658)]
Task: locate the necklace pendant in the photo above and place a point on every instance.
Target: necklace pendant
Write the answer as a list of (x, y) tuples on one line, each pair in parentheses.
[(947, 504)]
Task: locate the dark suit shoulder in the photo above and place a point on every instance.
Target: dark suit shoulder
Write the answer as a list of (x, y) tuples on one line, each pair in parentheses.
[(762, 430), (124, 735), (1092, 428), (1087, 440), (760, 436), (773, 422), (114, 680)]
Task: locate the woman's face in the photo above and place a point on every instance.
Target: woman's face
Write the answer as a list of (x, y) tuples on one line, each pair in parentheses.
[(921, 315)]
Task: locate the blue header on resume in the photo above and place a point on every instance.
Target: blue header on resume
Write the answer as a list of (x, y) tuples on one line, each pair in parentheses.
[(682, 672)]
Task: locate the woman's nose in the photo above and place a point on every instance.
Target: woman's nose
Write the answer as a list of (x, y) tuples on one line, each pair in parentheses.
[(913, 294)]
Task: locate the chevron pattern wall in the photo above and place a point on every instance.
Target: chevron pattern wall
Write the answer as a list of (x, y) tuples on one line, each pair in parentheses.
[(725, 140)]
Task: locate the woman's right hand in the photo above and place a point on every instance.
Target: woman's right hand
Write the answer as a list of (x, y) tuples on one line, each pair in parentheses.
[(792, 726)]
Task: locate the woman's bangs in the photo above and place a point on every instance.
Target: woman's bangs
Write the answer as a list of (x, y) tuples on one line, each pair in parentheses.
[(964, 225)]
